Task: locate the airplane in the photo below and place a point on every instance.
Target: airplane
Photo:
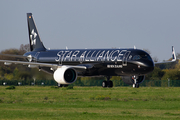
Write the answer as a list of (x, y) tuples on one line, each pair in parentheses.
[(66, 64)]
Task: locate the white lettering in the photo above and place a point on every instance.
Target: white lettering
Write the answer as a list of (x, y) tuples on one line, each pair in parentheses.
[(59, 55), (113, 58), (120, 56), (68, 56), (86, 59), (109, 55), (106, 56), (92, 56), (114, 66), (101, 56), (73, 57), (82, 56)]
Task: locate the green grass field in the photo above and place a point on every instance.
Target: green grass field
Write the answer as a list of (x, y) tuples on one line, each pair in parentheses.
[(79, 103)]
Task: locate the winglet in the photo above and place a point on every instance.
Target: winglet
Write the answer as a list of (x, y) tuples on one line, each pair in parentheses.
[(173, 58), (173, 54)]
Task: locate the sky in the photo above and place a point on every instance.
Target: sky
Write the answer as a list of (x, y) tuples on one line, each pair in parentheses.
[(147, 24)]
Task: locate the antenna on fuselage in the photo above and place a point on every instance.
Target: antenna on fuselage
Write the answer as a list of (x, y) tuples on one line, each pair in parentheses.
[(134, 47)]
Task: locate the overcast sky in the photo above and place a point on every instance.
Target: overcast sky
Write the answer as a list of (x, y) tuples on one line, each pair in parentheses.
[(147, 24)]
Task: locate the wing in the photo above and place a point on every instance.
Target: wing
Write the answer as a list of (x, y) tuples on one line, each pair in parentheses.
[(173, 58), (35, 64), (10, 55)]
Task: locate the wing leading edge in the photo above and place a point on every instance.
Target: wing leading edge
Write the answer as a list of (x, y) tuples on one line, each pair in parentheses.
[(34, 64)]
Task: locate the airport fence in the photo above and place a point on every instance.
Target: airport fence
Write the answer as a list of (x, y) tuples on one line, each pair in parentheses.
[(116, 83)]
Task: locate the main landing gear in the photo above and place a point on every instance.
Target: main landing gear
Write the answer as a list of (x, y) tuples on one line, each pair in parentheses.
[(135, 85), (61, 85), (107, 83)]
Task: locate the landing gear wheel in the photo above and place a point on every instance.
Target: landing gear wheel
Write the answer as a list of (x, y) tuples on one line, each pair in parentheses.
[(107, 83), (60, 85), (135, 85), (104, 84), (110, 84), (65, 85)]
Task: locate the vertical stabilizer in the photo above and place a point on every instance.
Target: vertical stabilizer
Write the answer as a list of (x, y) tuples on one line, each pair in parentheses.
[(34, 38)]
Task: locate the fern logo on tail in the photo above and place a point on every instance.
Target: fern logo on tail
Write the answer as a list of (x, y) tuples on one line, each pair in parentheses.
[(33, 37)]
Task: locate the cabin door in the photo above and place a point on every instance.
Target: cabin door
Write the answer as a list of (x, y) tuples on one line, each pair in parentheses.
[(125, 58)]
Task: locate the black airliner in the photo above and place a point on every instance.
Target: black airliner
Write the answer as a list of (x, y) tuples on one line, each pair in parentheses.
[(67, 64)]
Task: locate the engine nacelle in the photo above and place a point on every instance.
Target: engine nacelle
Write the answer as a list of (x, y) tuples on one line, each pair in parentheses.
[(65, 75), (129, 79)]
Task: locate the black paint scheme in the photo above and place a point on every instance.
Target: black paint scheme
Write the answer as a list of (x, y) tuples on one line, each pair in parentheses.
[(66, 64), (116, 62)]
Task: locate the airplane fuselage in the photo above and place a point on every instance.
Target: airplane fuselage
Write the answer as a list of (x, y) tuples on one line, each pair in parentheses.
[(67, 64), (109, 62)]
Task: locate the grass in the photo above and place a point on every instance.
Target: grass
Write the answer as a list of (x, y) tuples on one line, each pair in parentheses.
[(33, 102)]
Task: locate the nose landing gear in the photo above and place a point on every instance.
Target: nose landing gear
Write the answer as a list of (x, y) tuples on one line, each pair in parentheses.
[(135, 85)]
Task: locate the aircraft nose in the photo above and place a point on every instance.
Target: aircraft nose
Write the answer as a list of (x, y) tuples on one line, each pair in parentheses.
[(146, 63), (145, 66), (149, 65)]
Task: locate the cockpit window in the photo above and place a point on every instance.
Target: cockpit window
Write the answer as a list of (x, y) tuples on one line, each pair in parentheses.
[(145, 56), (142, 56), (136, 57)]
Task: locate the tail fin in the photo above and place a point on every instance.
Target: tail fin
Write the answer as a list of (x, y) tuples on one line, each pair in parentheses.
[(34, 38)]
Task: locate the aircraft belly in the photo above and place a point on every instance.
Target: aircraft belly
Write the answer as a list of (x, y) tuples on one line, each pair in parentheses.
[(105, 68)]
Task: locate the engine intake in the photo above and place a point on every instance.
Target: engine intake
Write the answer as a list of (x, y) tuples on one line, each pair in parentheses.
[(65, 75)]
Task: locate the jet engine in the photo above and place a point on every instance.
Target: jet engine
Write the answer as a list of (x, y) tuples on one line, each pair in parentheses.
[(130, 81), (65, 75)]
